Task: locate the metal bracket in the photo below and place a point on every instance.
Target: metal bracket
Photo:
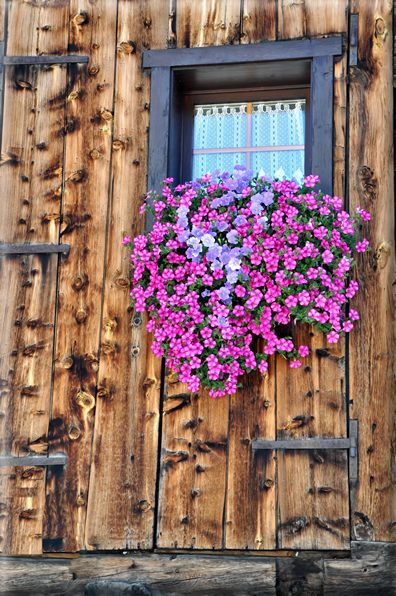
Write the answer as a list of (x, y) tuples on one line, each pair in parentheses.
[(33, 249), (32, 460), (353, 39), (350, 443)]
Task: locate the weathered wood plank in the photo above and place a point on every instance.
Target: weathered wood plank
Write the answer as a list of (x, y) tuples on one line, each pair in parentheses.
[(124, 462), (310, 18), (161, 574), (27, 310), (371, 571), (2, 18), (299, 576), (207, 23), (193, 469), (88, 142), (32, 152), (372, 342), (258, 21), (251, 492), (313, 486)]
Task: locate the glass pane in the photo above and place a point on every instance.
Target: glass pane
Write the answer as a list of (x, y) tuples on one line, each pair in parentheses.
[(206, 163), (279, 163), (281, 123), (220, 126)]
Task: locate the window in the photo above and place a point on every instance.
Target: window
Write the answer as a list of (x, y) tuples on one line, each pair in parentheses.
[(248, 82)]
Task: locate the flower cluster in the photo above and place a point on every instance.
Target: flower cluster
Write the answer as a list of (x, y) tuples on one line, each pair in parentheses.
[(235, 256)]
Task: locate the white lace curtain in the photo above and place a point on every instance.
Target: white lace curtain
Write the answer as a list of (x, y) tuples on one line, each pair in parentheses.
[(269, 136)]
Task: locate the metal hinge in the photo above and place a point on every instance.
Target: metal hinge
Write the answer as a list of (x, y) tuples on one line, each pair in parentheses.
[(350, 443), (353, 39), (33, 460)]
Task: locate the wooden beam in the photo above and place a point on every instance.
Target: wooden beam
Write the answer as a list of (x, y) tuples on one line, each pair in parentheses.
[(235, 54)]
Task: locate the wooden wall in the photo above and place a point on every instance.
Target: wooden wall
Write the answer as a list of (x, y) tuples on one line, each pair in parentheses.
[(77, 375)]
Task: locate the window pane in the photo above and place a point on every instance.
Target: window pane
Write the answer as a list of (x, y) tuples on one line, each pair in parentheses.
[(281, 123), (256, 128), (208, 162), (279, 163), (219, 126)]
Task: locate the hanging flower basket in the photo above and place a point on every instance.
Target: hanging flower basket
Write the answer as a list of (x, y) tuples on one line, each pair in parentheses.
[(231, 257)]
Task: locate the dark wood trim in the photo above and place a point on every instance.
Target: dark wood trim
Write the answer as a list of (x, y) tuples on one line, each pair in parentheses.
[(234, 54), (158, 155), (33, 249), (322, 85)]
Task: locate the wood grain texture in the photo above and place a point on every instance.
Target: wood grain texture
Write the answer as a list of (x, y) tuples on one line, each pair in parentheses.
[(162, 575), (32, 148), (372, 342), (207, 23), (88, 144), (193, 469), (310, 18), (2, 18), (258, 21), (125, 449), (27, 309), (371, 571), (313, 486), (251, 491)]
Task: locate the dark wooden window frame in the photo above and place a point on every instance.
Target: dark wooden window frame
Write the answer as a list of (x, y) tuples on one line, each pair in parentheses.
[(168, 67)]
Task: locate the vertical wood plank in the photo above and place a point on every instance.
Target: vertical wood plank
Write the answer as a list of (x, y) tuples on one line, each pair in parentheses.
[(193, 477), (251, 492), (372, 342), (30, 173), (207, 23), (258, 21), (310, 18), (121, 508), (84, 217), (312, 487), (193, 469)]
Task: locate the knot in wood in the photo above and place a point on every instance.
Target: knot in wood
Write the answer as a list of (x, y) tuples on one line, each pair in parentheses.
[(33, 473), (144, 506), (33, 322), (103, 393), (73, 433), (137, 320), (147, 22), (81, 315), (95, 154), (382, 253), (30, 390), (122, 281), (92, 359), (380, 26), (76, 176), (85, 400), (101, 87), (50, 217), (108, 348), (67, 362), (94, 70), (80, 501), (106, 115), (30, 350), (95, 45), (128, 47), (118, 145), (81, 17), (195, 493), (24, 84), (28, 513), (78, 282), (72, 95), (266, 483), (267, 403), (135, 351)]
